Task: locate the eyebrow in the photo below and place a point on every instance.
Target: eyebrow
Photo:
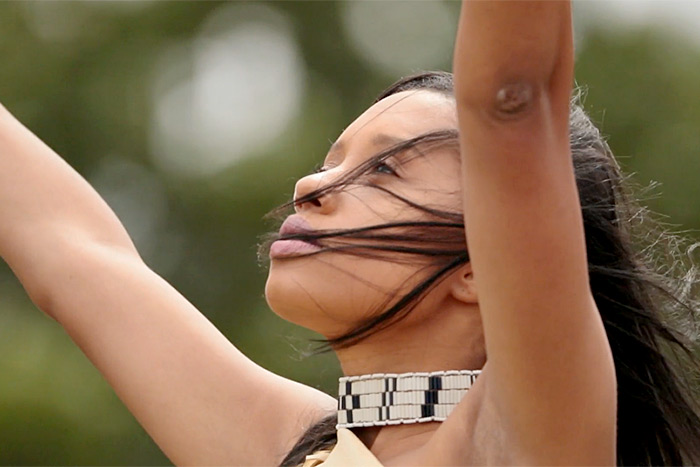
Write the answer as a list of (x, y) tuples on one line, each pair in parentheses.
[(380, 139)]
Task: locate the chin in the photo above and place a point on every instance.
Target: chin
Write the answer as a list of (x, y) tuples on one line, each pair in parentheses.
[(279, 298), (291, 294), (333, 294)]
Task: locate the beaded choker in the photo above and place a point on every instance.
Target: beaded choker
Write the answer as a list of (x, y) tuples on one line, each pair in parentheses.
[(392, 399)]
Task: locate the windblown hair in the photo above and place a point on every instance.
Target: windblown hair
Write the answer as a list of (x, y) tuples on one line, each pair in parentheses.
[(642, 278)]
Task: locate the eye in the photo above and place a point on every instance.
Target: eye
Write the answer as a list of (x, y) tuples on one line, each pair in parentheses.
[(384, 168), (320, 168)]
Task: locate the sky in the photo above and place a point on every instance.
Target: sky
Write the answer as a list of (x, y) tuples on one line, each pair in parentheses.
[(679, 16)]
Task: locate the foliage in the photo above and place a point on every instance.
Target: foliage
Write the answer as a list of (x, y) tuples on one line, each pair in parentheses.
[(83, 76)]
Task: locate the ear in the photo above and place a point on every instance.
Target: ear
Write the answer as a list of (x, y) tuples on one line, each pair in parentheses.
[(463, 286)]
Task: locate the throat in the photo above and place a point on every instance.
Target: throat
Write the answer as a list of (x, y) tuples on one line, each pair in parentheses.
[(390, 443), (386, 399)]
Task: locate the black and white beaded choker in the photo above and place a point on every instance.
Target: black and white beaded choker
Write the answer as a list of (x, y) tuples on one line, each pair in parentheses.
[(392, 399)]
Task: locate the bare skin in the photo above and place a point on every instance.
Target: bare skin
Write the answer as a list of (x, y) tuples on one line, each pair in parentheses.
[(547, 394)]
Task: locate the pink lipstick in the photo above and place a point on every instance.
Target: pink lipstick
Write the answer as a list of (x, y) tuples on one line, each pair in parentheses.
[(294, 224)]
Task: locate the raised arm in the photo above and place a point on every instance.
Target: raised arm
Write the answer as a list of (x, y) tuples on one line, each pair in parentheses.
[(550, 374), (200, 399)]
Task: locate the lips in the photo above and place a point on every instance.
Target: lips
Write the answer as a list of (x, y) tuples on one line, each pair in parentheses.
[(295, 225), (287, 247)]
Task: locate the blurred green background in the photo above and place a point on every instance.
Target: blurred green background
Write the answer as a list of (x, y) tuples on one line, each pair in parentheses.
[(193, 119)]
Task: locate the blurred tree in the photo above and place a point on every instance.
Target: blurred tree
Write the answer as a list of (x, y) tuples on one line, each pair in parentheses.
[(81, 75), (641, 88)]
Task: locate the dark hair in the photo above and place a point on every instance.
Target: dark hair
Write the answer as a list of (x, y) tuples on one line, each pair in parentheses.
[(636, 277)]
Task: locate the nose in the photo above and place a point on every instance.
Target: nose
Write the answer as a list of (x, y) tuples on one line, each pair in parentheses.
[(304, 194)]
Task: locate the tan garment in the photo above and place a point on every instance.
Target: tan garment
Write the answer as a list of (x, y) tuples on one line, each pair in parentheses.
[(349, 451)]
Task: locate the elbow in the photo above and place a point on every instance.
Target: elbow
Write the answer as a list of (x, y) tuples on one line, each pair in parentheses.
[(506, 99), (515, 90), (67, 269), (41, 297), (514, 100), (511, 60)]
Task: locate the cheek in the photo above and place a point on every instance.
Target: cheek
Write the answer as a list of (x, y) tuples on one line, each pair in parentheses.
[(332, 293)]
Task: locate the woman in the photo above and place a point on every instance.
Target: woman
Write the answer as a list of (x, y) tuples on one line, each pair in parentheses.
[(375, 259)]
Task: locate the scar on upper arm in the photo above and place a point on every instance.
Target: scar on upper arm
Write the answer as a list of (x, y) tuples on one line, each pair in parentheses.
[(513, 100)]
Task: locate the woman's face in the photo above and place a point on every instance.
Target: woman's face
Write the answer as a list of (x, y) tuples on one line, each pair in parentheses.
[(331, 292)]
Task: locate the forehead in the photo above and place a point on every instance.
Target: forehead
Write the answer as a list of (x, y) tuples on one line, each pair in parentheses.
[(402, 116)]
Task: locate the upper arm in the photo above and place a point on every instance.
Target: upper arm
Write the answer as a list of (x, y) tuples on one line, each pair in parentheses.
[(551, 374), (201, 400)]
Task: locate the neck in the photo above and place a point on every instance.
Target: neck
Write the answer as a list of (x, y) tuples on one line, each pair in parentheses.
[(392, 442), (449, 339), (454, 342)]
